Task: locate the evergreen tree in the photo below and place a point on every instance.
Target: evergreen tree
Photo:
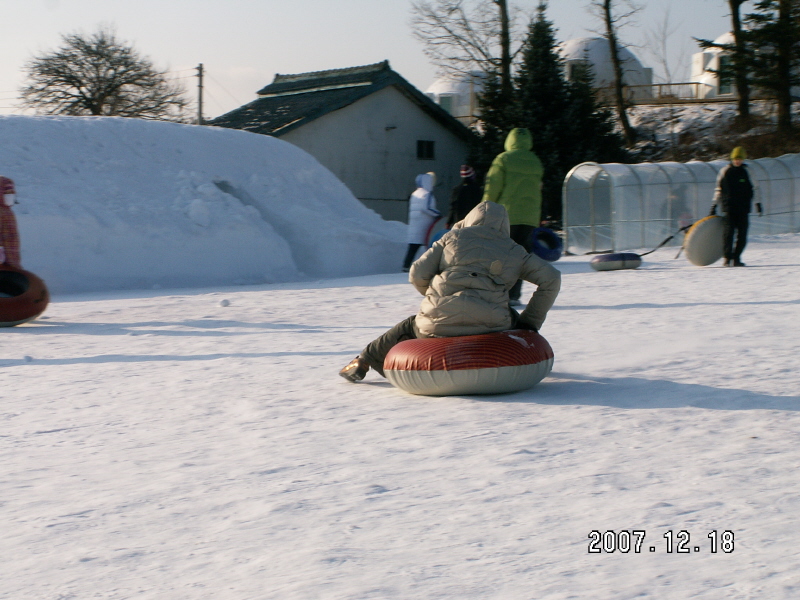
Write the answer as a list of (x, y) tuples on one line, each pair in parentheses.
[(567, 123), (497, 119), (542, 98), (592, 126), (774, 36)]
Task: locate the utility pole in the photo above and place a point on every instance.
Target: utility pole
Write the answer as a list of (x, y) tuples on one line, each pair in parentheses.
[(200, 94)]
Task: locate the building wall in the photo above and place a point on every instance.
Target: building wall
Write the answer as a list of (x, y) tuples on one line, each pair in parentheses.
[(371, 145)]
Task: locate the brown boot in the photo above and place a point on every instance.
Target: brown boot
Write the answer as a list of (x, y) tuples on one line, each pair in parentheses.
[(356, 370)]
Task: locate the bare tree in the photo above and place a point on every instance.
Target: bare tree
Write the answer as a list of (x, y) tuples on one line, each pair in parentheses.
[(460, 36), (612, 21), (99, 75), (658, 41)]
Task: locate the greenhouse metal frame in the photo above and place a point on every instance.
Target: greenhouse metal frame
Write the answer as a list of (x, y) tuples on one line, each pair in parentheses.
[(614, 207)]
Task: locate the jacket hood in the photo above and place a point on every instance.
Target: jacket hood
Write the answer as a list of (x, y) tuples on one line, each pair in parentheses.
[(489, 214), (425, 181), (519, 139)]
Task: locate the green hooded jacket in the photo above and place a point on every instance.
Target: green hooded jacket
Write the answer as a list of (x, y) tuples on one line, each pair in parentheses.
[(515, 180)]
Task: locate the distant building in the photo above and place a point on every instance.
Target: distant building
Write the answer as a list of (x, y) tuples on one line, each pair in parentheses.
[(370, 127), (458, 95), (595, 53), (709, 60), (711, 85)]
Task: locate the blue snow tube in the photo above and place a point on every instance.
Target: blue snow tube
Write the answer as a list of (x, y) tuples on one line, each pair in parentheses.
[(546, 244), (437, 236)]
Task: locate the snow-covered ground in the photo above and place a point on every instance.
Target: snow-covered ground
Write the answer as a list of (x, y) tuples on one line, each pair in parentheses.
[(701, 131), (164, 445), (112, 203)]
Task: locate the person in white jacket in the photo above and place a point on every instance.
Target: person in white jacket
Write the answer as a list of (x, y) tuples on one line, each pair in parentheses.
[(422, 213)]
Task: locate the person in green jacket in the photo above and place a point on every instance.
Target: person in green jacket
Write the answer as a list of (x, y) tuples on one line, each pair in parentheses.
[(515, 181)]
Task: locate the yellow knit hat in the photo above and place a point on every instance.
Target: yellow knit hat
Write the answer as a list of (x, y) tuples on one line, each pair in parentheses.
[(738, 152)]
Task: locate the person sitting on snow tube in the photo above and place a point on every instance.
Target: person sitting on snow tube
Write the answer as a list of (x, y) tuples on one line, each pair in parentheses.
[(465, 278)]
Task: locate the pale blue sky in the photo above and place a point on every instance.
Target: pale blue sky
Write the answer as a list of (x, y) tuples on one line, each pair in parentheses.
[(243, 43)]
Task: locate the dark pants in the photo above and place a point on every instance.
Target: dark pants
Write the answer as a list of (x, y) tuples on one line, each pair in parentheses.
[(412, 252), (375, 352), (735, 225), (522, 235)]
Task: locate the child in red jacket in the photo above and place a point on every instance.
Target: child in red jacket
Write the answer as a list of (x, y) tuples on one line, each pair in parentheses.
[(9, 237)]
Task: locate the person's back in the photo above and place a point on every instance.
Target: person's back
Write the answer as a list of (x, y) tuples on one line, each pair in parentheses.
[(466, 277), (422, 213), (515, 180), (736, 190)]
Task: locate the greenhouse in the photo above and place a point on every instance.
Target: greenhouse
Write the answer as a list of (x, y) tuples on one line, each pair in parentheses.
[(615, 207)]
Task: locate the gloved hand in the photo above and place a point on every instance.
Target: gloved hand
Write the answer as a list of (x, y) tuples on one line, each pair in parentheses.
[(760, 209), (523, 325), (713, 210)]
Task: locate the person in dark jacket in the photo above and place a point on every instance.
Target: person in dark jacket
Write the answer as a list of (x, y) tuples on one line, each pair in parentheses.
[(734, 196), (465, 196)]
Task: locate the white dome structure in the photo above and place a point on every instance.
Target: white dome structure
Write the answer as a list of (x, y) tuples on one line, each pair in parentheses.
[(458, 94), (596, 52)]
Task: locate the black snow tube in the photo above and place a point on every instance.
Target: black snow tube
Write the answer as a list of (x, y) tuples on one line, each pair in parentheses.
[(23, 296), (616, 261)]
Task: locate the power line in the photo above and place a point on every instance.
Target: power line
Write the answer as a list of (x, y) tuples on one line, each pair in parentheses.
[(182, 70), (225, 90), (217, 102)]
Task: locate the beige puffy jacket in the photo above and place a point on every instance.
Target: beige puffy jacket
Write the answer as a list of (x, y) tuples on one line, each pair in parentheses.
[(466, 275)]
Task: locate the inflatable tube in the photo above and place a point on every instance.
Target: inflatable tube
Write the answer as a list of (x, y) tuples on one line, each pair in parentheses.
[(437, 236), (546, 244), (616, 261), (439, 225), (23, 296), (493, 363), (705, 241)]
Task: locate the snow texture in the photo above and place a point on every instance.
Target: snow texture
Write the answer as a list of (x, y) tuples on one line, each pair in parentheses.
[(195, 444), (187, 444), (111, 203)]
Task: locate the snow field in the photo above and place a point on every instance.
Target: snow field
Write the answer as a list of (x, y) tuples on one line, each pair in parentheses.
[(160, 445)]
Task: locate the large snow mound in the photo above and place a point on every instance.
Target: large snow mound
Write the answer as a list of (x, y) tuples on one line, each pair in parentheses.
[(112, 203)]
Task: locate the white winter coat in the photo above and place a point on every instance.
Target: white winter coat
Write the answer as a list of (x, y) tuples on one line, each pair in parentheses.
[(422, 211), (466, 275)]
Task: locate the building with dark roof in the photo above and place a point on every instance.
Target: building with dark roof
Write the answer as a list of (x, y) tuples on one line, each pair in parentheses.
[(368, 125)]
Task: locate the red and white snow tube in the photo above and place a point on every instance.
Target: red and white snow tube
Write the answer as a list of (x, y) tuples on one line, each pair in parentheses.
[(492, 363), (23, 296)]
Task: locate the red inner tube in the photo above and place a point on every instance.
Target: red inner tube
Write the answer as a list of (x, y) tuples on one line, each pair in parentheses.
[(511, 348)]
